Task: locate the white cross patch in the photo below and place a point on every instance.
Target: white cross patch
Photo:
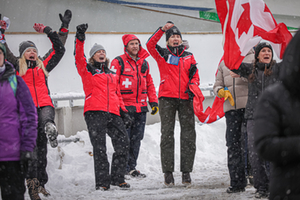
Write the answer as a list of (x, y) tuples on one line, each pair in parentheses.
[(126, 83), (112, 68)]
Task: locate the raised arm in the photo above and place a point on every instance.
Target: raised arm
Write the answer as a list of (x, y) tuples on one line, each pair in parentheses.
[(80, 60), (63, 31), (58, 48)]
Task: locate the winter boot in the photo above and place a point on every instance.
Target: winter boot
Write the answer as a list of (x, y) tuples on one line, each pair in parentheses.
[(136, 173), (51, 132), (32, 185), (262, 194), (186, 178), (122, 185), (234, 190), (169, 179), (102, 188), (42, 190)]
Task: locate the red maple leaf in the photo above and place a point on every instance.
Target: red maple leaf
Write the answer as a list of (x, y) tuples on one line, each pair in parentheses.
[(244, 22)]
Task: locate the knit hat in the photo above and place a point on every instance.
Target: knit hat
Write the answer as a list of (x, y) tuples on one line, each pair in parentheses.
[(172, 31), (128, 37), (26, 45), (2, 47), (96, 48), (260, 46)]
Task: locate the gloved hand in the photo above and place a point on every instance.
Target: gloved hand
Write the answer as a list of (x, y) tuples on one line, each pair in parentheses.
[(65, 20), (40, 28), (126, 119), (154, 107), (81, 29), (225, 93), (25, 158), (190, 93)]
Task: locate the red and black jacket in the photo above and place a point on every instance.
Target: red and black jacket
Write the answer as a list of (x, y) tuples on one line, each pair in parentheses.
[(35, 78), (136, 83), (100, 85), (174, 78)]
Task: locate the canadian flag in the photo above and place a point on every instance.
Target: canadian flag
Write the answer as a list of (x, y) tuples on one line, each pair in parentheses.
[(244, 24)]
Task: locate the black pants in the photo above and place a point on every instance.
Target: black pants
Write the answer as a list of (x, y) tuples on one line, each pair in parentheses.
[(260, 167), (12, 180), (167, 110), (37, 167), (234, 143), (99, 124), (135, 134)]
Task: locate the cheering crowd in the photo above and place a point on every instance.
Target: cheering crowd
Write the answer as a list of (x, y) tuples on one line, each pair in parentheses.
[(261, 103)]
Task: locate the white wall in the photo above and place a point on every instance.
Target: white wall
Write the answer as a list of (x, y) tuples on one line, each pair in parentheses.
[(64, 78)]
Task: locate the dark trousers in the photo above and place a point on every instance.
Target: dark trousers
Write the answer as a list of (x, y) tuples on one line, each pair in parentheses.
[(37, 167), (234, 143), (135, 134), (260, 168), (12, 180), (99, 124), (167, 110)]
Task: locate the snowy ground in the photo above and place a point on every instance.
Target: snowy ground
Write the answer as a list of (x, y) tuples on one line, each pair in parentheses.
[(71, 171)]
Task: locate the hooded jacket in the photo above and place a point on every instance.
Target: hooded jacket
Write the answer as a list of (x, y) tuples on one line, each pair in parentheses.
[(136, 83), (100, 85), (18, 117), (35, 78), (238, 87), (174, 65), (277, 126)]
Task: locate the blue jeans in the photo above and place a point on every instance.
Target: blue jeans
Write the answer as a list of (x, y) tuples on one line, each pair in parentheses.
[(135, 134)]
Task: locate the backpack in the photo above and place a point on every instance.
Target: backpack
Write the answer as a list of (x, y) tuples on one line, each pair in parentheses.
[(13, 83)]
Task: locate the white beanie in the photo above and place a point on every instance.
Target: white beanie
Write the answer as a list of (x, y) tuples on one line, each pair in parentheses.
[(96, 48)]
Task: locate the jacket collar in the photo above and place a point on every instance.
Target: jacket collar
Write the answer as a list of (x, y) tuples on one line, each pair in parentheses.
[(177, 51)]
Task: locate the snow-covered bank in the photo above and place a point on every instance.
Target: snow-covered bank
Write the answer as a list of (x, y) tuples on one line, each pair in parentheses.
[(71, 169)]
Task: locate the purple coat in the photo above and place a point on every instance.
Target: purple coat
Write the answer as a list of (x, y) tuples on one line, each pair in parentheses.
[(18, 118)]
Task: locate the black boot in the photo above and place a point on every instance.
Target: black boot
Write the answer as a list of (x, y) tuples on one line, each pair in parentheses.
[(169, 179), (186, 178)]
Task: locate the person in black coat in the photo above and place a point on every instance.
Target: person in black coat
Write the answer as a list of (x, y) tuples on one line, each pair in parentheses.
[(260, 74), (277, 127)]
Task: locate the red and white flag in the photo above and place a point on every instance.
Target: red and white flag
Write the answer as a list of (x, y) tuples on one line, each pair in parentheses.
[(244, 24)]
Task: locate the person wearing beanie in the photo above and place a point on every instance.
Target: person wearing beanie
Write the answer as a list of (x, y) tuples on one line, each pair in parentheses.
[(104, 112), (34, 71), (18, 130), (178, 72), (136, 85), (261, 74)]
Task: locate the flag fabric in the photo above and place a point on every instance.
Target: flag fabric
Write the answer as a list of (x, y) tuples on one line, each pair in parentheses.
[(244, 24)]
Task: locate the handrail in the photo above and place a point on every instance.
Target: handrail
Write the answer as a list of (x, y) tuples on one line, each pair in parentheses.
[(75, 96)]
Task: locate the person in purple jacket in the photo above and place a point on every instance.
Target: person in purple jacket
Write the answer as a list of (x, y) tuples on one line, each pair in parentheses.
[(18, 130)]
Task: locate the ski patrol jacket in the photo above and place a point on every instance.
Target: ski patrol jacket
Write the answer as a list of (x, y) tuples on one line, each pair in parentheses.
[(35, 78), (100, 85), (136, 83), (18, 116), (174, 65)]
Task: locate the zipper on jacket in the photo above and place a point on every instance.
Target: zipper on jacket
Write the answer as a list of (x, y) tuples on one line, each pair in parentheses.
[(137, 83), (234, 93), (108, 93), (37, 102), (180, 75)]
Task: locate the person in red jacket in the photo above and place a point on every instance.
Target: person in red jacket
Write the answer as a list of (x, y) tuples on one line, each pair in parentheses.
[(34, 71), (102, 110), (178, 70), (136, 85)]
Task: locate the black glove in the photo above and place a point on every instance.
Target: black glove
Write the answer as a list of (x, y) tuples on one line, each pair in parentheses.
[(190, 93), (126, 119), (65, 20), (154, 107), (25, 156), (81, 29)]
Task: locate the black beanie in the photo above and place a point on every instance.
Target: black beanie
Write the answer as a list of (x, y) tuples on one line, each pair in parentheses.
[(260, 46), (172, 31), (26, 45)]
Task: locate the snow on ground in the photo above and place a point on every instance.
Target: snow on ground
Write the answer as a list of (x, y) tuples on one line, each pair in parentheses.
[(71, 169)]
